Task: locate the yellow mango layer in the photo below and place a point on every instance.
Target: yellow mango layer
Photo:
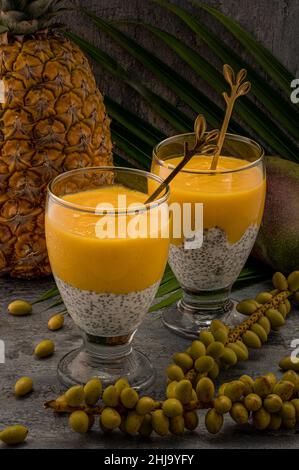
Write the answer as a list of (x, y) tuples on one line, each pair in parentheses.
[(231, 201), (110, 265)]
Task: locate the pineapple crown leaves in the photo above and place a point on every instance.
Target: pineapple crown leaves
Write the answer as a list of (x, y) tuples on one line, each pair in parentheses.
[(29, 16)]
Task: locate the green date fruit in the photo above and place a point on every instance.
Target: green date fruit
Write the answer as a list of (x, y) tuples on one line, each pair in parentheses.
[(222, 404), (261, 419), (204, 364), (145, 405), (273, 403), (221, 335), (213, 421), (293, 281), (56, 322), (191, 420), (262, 386), (174, 372), (183, 391), (284, 389), (23, 386), (215, 349), (79, 422), (19, 308), (234, 390), (265, 324), (248, 383), (13, 435), (247, 306), (214, 372), (110, 418), (129, 397), (120, 384), (172, 407), (206, 337), (260, 332), (263, 297), (197, 349), (251, 340), (287, 363), (44, 349), (205, 390), (146, 427), (183, 360), (177, 425), (275, 422), (275, 317), (239, 413), (253, 402), (279, 281), (288, 411), (229, 357), (74, 396), (93, 391), (110, 396), (170, 390), (133, 422), (160, 422), (241, 353)]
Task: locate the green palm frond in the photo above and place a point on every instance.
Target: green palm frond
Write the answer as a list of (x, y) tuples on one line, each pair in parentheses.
[(184, 90), (180, 121), (281, 109), (263, 56)]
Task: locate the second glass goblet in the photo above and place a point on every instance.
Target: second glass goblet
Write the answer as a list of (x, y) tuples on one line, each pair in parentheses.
[(232, 199)]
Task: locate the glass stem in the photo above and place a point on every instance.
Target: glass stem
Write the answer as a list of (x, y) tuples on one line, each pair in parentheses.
[(216, 302)]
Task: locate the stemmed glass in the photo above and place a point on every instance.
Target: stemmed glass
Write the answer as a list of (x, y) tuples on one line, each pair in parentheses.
[(108, 261), (232, 200)]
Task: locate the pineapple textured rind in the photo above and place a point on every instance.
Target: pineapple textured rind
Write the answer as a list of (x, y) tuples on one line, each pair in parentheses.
[(53, 120)]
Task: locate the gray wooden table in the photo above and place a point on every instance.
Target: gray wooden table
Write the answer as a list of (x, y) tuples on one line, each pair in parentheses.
[(50, 431)]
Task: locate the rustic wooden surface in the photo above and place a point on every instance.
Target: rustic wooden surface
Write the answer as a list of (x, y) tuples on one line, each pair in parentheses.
[(48, 430), (273, 22)]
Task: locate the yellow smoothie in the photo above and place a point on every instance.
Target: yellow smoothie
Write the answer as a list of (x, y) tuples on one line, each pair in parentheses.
[(116, 265), (231, 201)]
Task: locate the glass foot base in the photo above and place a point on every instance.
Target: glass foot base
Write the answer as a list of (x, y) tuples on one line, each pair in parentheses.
[(189, 322), (77, 367)]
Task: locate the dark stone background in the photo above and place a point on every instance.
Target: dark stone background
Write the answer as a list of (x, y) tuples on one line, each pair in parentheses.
[(273, 22)]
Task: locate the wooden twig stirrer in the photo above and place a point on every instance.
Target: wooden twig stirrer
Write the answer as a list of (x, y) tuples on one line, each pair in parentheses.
[(238, 88), (205, 144)]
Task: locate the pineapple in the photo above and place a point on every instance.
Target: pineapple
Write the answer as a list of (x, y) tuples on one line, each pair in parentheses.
[(52, 120)]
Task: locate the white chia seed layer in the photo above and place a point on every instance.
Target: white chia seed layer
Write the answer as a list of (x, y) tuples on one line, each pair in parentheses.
[(106, 314), (216, 264)]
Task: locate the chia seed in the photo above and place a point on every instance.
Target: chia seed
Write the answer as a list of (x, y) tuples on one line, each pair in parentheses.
[(104, 314), (215, 265)]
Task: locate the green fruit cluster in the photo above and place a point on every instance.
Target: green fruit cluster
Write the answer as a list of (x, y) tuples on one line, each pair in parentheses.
[(266, 402), (122, 408)]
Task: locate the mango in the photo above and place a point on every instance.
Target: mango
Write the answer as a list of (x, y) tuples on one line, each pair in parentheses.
[(277, 244)]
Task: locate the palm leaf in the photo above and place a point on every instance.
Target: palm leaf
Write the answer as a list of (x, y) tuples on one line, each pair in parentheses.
[(174, 297), (140, 128), (175, 117), (54, 292), (262, 90), (119, 160), (168, 287), (184, 90), (133, 147), (263, 56), (279, 109)]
